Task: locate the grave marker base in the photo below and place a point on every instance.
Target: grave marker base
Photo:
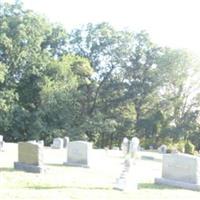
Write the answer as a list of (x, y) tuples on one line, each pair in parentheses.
[(180, 184), (29, 168)]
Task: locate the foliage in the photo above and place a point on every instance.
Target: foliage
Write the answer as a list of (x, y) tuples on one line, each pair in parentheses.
[(189, 148), (180, 146), (95, 83)]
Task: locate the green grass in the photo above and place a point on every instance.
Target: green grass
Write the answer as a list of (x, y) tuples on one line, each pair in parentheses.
[(80, 184), (96, 183)]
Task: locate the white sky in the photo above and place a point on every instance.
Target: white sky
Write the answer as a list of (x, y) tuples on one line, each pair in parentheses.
[(174, 23)]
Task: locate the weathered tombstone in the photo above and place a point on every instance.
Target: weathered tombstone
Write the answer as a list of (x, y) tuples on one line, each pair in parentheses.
[(124, 146), (1, 142), (40, 142), (180, 170), (57, 143), (134, 147), (65, 142), (30, 157), (79, 154), (151, 147), (162, 148), (127, 180)]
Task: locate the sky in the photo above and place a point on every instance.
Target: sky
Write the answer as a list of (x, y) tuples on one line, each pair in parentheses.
[(173, 23)]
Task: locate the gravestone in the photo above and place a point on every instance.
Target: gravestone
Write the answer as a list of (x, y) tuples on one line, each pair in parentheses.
[(1, 142), (57, 143), (79, 154), (162, 148), (30, 157), (134, 147), (40, 142), (124, 146), (65, 142), (181, 170), (151, 147), (127, 180)]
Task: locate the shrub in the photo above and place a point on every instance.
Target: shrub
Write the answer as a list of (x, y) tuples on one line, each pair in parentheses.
[(171, 148), (180, 146), (189, 148), (169, 151), (147, 142), (167, 141)]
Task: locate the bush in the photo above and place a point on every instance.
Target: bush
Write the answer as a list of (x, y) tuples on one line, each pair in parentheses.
[(189, 148), (169, 151), (167, 141), (180, 146), (147, 142), (172, 148)]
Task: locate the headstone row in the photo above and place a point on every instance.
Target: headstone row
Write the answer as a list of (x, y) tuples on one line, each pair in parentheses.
[(30, 155)]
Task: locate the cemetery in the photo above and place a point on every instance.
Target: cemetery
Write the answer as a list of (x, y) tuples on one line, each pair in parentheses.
[(79, 170), (99, 100)]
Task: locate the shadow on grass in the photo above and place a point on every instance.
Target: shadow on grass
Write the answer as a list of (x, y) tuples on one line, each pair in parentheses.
[(39, 187), (7, 169), (155, 186), (149, 158), (67, 166), (140, 187)]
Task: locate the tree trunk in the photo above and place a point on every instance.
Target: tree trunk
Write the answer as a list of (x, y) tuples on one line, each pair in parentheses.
[(102, 140), (138, 114), (111, 141)]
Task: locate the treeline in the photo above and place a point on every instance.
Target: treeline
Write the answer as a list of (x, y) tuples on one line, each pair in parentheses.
[(94, 83)]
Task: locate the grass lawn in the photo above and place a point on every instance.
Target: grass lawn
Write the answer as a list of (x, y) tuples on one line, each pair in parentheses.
[(62, 182)]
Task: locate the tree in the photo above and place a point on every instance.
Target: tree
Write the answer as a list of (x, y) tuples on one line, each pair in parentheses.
[(96, 83), (104, 47), (60, 97), (178, 97), (28, 44), (141, 77)]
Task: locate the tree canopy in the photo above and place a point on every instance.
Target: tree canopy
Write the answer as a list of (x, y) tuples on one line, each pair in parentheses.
[(95, 83)]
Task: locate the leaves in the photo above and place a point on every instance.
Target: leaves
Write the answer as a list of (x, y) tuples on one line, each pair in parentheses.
[(95, 83)]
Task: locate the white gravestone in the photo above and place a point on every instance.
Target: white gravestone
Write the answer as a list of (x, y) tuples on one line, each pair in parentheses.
[(79, 154), (162, 148), (181, 170), (40, 142), (1, 142), (57, 143), (134, 147), (30, 157), (124, 146), (65, 142)]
